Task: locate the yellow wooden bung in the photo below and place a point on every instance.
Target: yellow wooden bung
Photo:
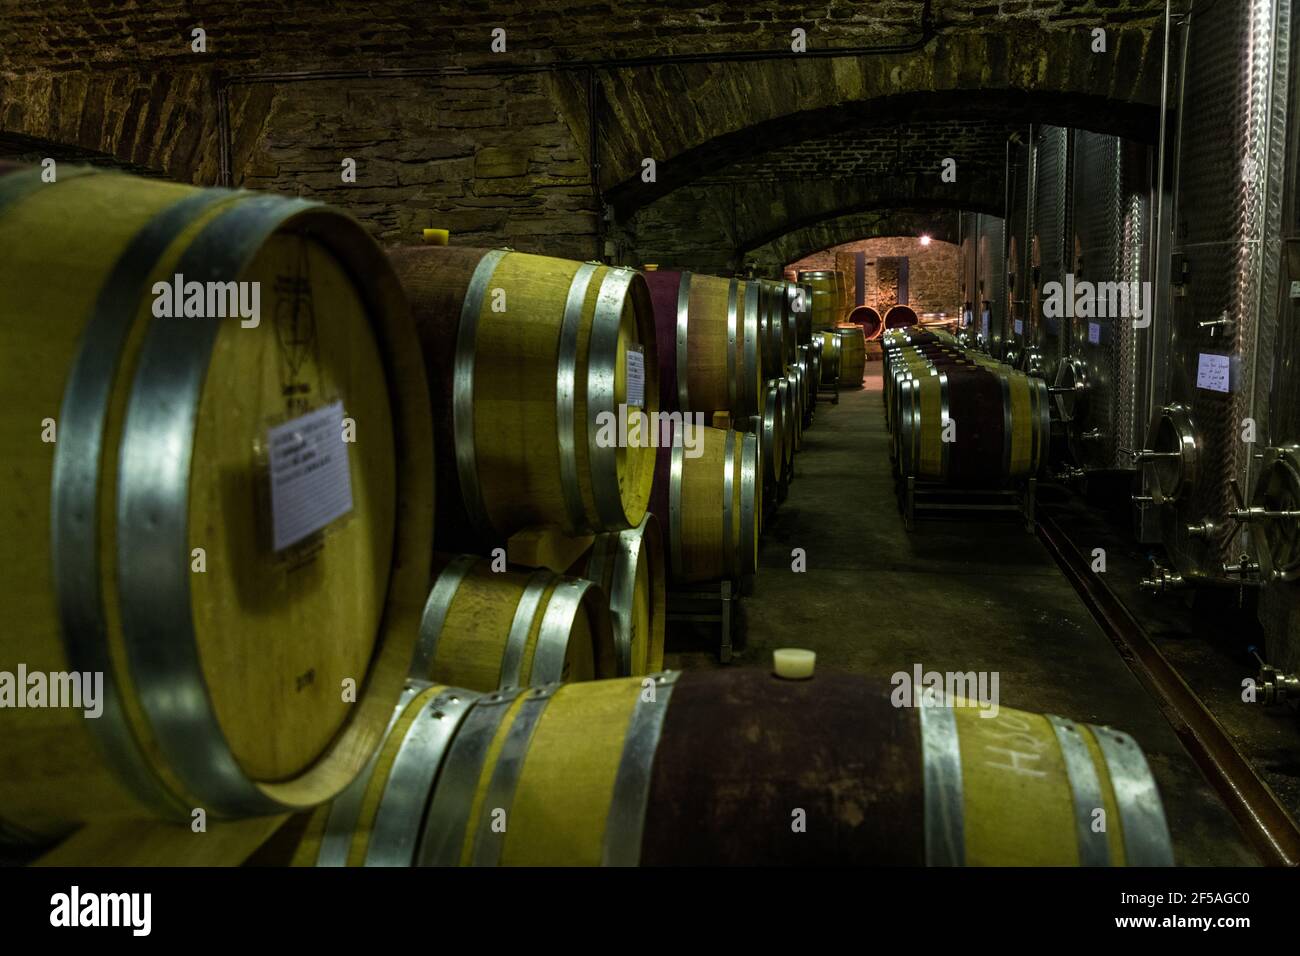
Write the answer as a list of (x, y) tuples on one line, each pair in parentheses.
[(437, 237), (793, 663), (238, 676)]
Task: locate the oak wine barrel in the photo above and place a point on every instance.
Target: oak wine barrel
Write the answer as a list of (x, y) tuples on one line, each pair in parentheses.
[(853, 356), (1001, 425), (869, 320), (629, 566), (541, 371), (814, 371), (800, 395), (785, 396), (830, 358), (899, 317), (830, 300), (803, 308), (708, 500), (485, 629), (170, 539), (809, 374), (772, 434), (709, 334), (772, 320), (798, 311), (704, 768)]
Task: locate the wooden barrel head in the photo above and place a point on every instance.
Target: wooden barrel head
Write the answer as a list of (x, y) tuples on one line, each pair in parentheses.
[(665, 298), (870, 321), (436, 280), (267, 623), (900, 316), (158, 495)]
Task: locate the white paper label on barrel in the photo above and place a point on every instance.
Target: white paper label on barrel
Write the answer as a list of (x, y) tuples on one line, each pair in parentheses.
[(1020, 326), (1094, 332), (311, 484), (635, 378), (984, 322), (1213, 372)]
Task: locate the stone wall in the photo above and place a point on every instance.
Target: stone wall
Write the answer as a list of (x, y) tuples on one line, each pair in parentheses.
[(487, 157), (934, 271), (505, 158), (288, 34)]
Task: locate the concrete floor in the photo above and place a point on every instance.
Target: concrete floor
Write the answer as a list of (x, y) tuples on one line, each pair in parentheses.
[(954, 595)]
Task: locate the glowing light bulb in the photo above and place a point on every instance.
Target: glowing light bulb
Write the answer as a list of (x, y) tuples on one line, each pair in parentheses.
[(925, 240)]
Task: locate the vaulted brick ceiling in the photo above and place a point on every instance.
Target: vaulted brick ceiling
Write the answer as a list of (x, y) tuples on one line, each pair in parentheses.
[(290, 34)]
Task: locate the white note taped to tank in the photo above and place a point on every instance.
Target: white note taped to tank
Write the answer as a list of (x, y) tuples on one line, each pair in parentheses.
[(1094, 332), (1020, 326), (311, 484), (635, 378), (1214, 372)]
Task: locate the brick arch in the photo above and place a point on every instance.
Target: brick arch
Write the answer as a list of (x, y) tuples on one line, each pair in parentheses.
[(791, 246), (816, 203), (696, 118)]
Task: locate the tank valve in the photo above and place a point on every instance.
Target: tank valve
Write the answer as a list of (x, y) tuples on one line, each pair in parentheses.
[(1203, 529), (1222, 322), (1245, 514), (1161, 579), (1146, 454), (1275, 687)]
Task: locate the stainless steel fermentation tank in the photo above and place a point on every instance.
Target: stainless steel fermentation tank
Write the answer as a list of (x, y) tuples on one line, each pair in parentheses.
[(1216, 320), (1017, 325), (983, 276), (1275, 499), (1100, 383), (1049, 214), (968, 226)]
